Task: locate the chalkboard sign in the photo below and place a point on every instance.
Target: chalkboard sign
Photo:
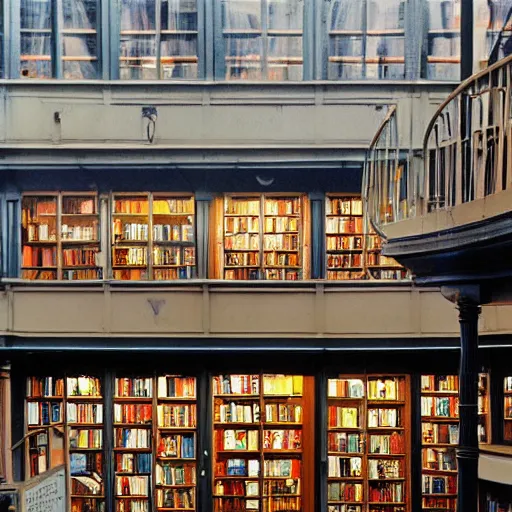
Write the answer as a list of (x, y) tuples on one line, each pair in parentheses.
[(48, 495)]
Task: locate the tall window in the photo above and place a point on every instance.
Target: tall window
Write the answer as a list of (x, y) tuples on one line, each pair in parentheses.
[(59, 39), (441, 51), (262, 39), (366, 39), (159, 39)]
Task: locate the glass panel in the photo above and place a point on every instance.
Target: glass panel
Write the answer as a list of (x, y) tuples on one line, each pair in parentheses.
[(285, 20), (79, 40), (243, 57), (443, 40), (241, 24), (345, 22), (35, 28), (179, 15), (137, 42), (490, 31)]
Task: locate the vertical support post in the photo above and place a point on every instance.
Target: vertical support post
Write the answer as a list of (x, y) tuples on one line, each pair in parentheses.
[(466, 39), (467, 452), (317, 203), (203, 201)]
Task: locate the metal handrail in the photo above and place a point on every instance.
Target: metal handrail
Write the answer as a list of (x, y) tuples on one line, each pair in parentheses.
[(467, 153)]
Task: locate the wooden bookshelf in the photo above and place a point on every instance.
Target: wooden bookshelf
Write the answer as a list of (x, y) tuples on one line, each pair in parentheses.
[(440, 437), (263, 442), (133, 442), (176, 442), (507, 409), (368, 443), (84, 427), (344, 234), (263, 237), (60, 237), (379, 266), (44, 411), (153, 237)]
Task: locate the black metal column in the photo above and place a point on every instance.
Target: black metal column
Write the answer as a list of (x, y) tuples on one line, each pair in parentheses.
[(467, 452), (466, 39)]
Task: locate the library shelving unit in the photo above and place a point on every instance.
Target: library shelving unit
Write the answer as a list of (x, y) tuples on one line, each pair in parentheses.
[(344, 237), (176, 443), (263, 237), (44, 412), (133, 446), (263, 442), (440, 437), (368, 443), (60, 237), (507, 409), (84, 425), (153, 237), (484, 412)]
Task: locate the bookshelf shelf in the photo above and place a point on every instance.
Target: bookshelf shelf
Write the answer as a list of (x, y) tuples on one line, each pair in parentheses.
[(261, 459), (357, 473), (262, 237)]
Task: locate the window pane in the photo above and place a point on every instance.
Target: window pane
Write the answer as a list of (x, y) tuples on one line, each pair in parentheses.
[(138, 41), (443, 40), (285, 21), (241, 24), (178, 48), (80, 39), (35, 38), (345, 25), (490, 31)]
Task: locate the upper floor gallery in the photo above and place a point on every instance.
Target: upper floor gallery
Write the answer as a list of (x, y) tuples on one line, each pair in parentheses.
[(280, 40)]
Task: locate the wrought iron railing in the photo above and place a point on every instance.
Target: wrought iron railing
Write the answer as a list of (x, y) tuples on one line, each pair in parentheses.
[(467, 153)]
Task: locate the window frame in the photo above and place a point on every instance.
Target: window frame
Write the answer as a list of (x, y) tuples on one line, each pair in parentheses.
[(56, 35), (115, 42), (308, 43)]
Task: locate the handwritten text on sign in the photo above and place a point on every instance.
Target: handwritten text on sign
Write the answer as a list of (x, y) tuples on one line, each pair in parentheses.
[(48, 495)]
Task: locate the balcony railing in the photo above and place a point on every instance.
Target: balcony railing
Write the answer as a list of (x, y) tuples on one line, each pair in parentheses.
[(467, 153)]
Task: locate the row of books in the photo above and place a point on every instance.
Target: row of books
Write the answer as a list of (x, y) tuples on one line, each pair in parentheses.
[(237, 440), (389, 492), (343, 417), (132, 437), (241, 225), (440, 433), (236, 259), (344, 243), (344, 442), (176, 387), (384, 418), (385, 468), (172, 474), (386, 389), (133, 206), (78, 206), (176, 415), (374, 258), (82, 274), (44, 232), (170, 206), (440, 459), (86, 438), (439, 383), (344, 261), (84, 413), (133, 387), (283, 413), (130, 256), (174, 256), (132, 485), (342, 206), (79, 232), (134, 462), (233, 412), (341, 225), (83, 386), (79, 257), (281, 224), (43, 413), (174, 232), (344, 491), (439, 484), (175, 498), (169, 274), (130, 231), (242, 206), (45, 387), (39, 256), (177, 446), (447, 407), (236, 384), (340, 467), (133, 413)]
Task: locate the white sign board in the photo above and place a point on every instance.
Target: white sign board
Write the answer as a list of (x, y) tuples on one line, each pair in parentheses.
[(49, 495)]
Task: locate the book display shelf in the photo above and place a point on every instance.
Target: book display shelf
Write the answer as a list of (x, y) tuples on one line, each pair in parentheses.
[(368, 443), (263, 237), (133, 446), (60, 237), (507, 409), (440, 436), (344, 238), (153, 237), (66, 416), (263, 442)]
